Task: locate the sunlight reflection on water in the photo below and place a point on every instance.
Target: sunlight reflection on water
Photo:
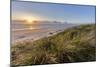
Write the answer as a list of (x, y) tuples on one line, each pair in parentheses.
[(31, 27)]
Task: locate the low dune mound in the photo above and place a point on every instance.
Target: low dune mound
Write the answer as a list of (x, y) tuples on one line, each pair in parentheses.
[(76, 44)]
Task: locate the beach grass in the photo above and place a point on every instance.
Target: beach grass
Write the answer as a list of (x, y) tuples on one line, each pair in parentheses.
[(76, 44)]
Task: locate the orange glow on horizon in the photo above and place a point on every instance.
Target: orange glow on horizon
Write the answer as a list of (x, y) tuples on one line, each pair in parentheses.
[(29, 20)]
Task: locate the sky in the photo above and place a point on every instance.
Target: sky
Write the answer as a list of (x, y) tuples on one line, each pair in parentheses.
[(52, 12)]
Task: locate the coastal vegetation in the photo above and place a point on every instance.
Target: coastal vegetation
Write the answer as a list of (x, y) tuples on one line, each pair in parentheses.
[(76, 44)]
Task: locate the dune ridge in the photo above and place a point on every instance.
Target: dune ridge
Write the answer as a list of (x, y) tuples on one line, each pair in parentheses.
[(76, 44)]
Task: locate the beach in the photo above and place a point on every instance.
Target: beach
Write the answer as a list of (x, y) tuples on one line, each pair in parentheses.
[(24, 32)]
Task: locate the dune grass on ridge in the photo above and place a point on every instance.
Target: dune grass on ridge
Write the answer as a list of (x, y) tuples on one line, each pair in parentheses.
[(75, 44)]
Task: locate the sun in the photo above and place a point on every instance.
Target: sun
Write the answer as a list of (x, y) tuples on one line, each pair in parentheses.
[(30, 21)]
